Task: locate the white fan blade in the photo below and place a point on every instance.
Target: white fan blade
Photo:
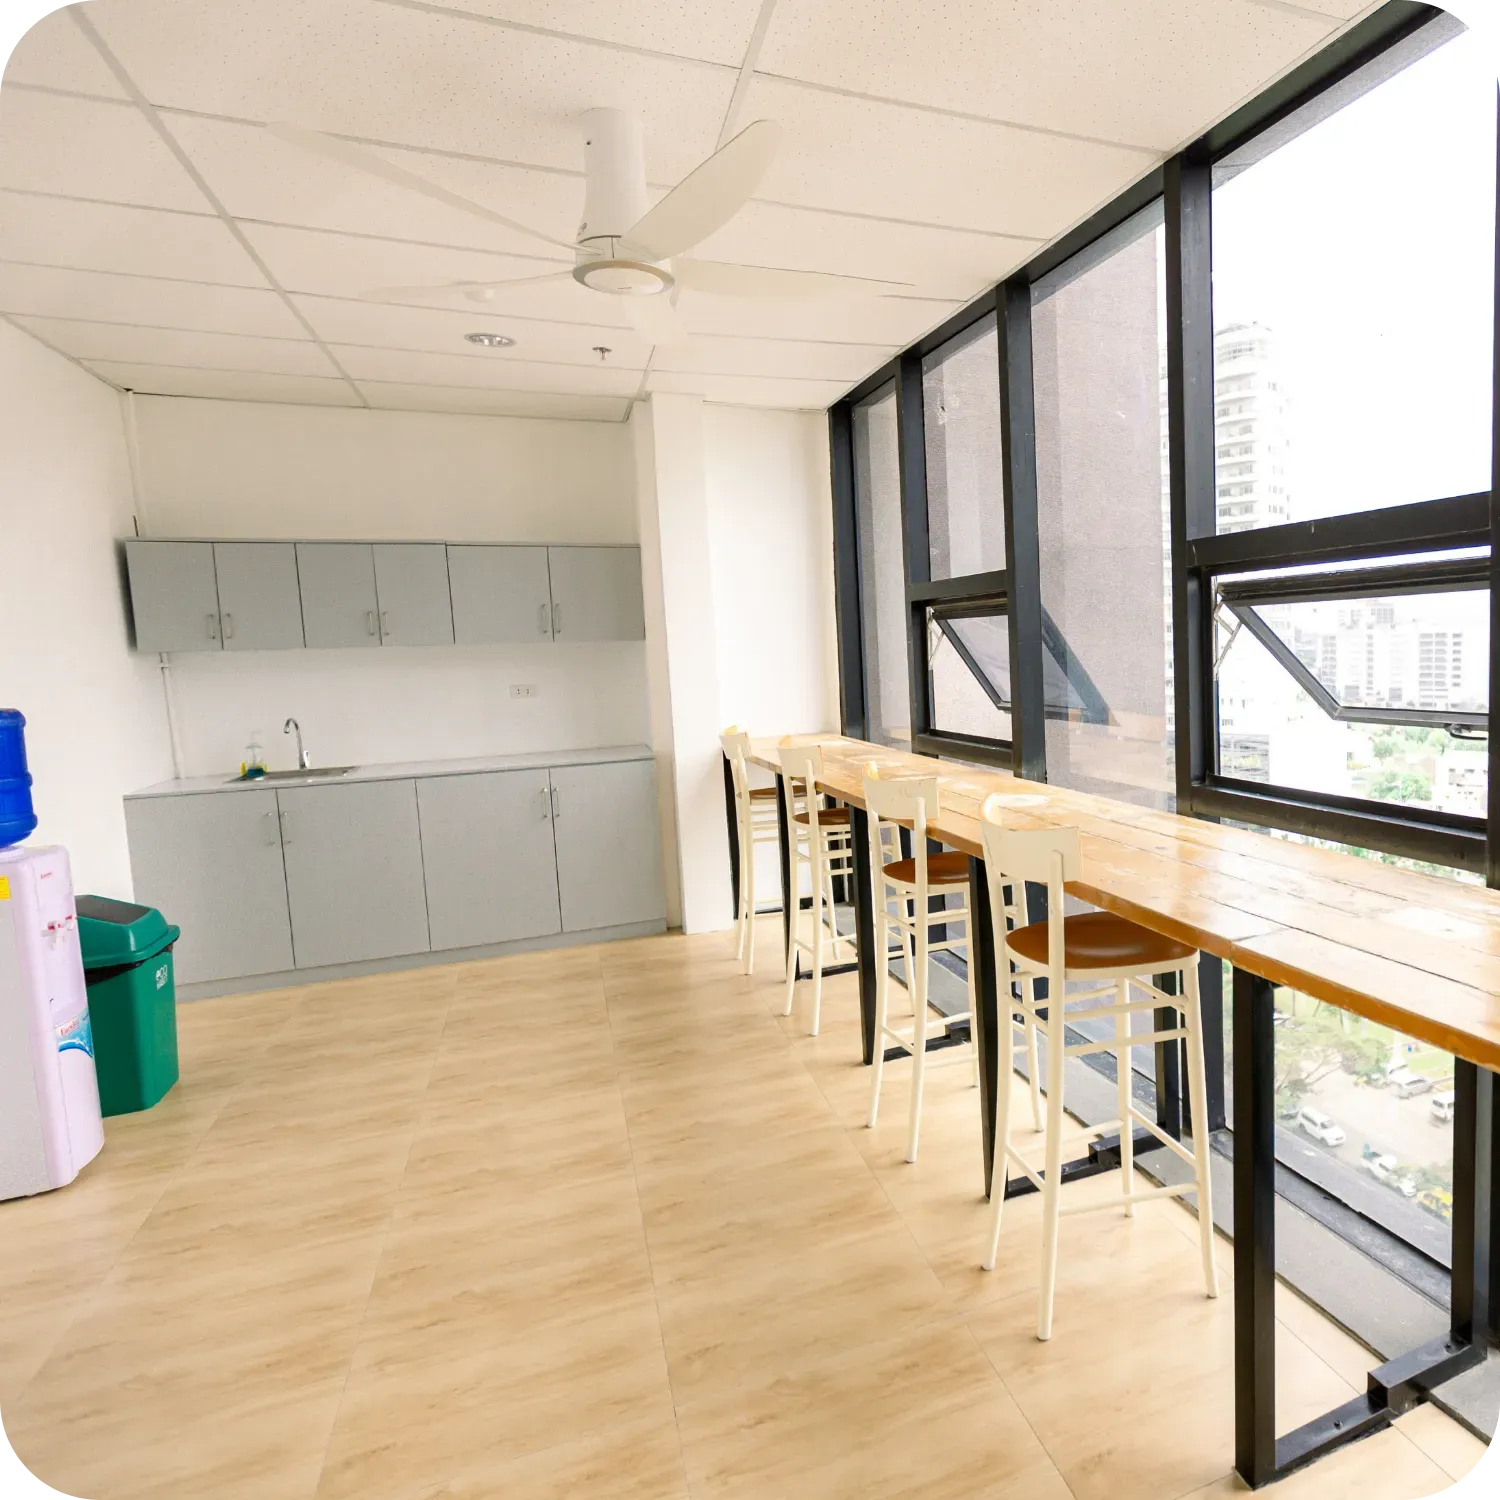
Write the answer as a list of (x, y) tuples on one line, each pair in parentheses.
[(472, 291), (707, 198), (655, 317), (364, 160), (771, 282)]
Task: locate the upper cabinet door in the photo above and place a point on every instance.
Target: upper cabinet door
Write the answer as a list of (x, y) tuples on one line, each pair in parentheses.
[(173, 596), (499, 594), (259, 605), (338, 593), (411, 583), (596, 594)]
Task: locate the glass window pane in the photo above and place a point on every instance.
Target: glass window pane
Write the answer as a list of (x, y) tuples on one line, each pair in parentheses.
[(1099, 365), (882, 571), (1416, 653), (1353, 301), (970, 663), (965, 490)]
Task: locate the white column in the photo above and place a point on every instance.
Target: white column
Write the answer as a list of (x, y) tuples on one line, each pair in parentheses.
[(682, 658)]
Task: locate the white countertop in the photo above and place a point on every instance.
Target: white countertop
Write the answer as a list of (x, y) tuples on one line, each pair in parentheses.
[(404, 770)]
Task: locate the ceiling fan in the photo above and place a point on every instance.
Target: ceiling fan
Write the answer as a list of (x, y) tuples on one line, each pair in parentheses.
[(623, 248)]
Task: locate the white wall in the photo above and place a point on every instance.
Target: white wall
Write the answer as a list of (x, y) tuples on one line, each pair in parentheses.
[(96, 726), (241, 469)]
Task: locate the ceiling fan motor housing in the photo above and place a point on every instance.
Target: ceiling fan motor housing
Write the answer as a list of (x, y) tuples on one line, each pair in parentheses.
[(614, 163)]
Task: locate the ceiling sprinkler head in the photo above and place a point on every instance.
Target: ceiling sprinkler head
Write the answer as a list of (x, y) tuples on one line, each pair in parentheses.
[(603, 351), (490, 340)]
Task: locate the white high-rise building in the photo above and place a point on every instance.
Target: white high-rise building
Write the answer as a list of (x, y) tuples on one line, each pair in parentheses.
[(1250, 430)]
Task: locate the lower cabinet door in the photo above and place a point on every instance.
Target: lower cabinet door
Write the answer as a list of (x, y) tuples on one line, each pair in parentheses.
[(605, 823), (211, 863), (353, 871), (487, 852)]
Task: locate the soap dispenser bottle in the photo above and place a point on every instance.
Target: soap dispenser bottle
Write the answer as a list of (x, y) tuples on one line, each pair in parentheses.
[(254, 764)]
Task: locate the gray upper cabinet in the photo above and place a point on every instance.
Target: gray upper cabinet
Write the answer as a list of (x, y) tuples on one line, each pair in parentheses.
[(500, 594), (260, 608), (487, 850), (411, 584), (173, 595), (338, 593), (596, 594), (606, 829), (353, 871), (212, 864)]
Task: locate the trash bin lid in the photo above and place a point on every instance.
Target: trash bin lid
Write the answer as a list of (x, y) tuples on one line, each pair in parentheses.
[(120, 932)]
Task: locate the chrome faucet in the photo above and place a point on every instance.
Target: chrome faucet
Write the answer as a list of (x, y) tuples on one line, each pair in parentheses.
[(303, 763)]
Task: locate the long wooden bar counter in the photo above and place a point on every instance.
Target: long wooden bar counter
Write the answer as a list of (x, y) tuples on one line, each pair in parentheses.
[(1415, 952)]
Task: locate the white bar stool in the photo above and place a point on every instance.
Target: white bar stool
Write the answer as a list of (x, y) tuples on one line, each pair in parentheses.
[(1109, 954), (820, 838), (755, 823), (907, 884)]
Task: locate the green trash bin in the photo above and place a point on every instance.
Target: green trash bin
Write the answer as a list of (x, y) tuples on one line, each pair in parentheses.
[(127, 965)]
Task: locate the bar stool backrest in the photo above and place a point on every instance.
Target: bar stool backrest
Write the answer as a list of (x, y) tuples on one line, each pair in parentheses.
[(802, 763), (736, 744), (1049, 856), (909, 801)]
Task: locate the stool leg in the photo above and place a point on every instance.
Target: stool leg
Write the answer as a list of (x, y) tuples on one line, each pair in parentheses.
[(1198, 1090), (882, 1005), (816, 851), (919, 1028), (973, 993), (1033, 1068), (1004, 1070), (794, 917), (747, 884), (1122, 1070), (1052, 1172)]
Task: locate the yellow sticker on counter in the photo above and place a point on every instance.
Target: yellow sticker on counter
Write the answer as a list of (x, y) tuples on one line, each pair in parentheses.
[(4, 888)]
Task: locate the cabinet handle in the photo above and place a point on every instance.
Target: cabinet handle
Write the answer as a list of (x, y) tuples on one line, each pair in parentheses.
[(369, 622), (556, 809), (557, 619), (272, 840), (385, 623), (546, 806), (228, 626), (286, 828), (213, 627), (541, 619)]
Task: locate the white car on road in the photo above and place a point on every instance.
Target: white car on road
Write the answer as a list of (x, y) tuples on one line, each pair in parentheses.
[(1383, 1169), (1315, 1123)]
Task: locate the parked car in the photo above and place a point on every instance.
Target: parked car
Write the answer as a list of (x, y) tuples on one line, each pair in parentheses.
[(1386, 1170), (1438, 1202), (1404, 1083), (1441, 1108), (1315, 1123)]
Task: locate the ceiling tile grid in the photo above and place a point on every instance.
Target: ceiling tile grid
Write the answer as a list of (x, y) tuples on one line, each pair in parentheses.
[(154, 231)]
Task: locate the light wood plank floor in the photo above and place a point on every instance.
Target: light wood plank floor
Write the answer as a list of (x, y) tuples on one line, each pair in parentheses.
[(600, 1223)]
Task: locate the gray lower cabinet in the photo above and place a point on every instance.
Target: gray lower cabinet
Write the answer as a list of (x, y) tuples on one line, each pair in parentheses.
[(411, 586), (608, 844), (260, 608), (353, 871), (212, 864), (500, 594), (338, 593), (173, 595), (487, 851), (596, 594)]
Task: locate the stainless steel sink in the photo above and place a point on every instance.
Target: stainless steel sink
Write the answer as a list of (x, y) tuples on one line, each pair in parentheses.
[(291, 778)]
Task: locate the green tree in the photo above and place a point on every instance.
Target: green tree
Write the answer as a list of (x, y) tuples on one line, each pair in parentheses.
[(1400, 786), (1311, 1049)]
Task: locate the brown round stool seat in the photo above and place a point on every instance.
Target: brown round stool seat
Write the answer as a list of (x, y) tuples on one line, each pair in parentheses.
[(762, 793), (828, 817), (947, 868), (1101, 940)]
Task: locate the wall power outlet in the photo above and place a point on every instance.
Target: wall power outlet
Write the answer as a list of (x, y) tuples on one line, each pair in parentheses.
[(523, 690)]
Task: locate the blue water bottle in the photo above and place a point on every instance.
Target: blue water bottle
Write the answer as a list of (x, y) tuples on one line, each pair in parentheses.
[(17, 820)]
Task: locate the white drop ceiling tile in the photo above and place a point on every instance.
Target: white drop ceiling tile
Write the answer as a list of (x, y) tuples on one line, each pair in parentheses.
[(464, 399), (1148, 72), (124, 343), (55, 54), (438, 330), (258, 176), (749, 390), (88, 148), (883, 159), (705, 353), (718, 32), (96, 296), (413, 78), (113, 237), (226, 385), (894, 321), (941, 263), (493, 371)]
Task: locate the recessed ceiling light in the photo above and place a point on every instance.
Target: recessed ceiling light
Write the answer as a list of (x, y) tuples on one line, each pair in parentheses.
[(490, 340)]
